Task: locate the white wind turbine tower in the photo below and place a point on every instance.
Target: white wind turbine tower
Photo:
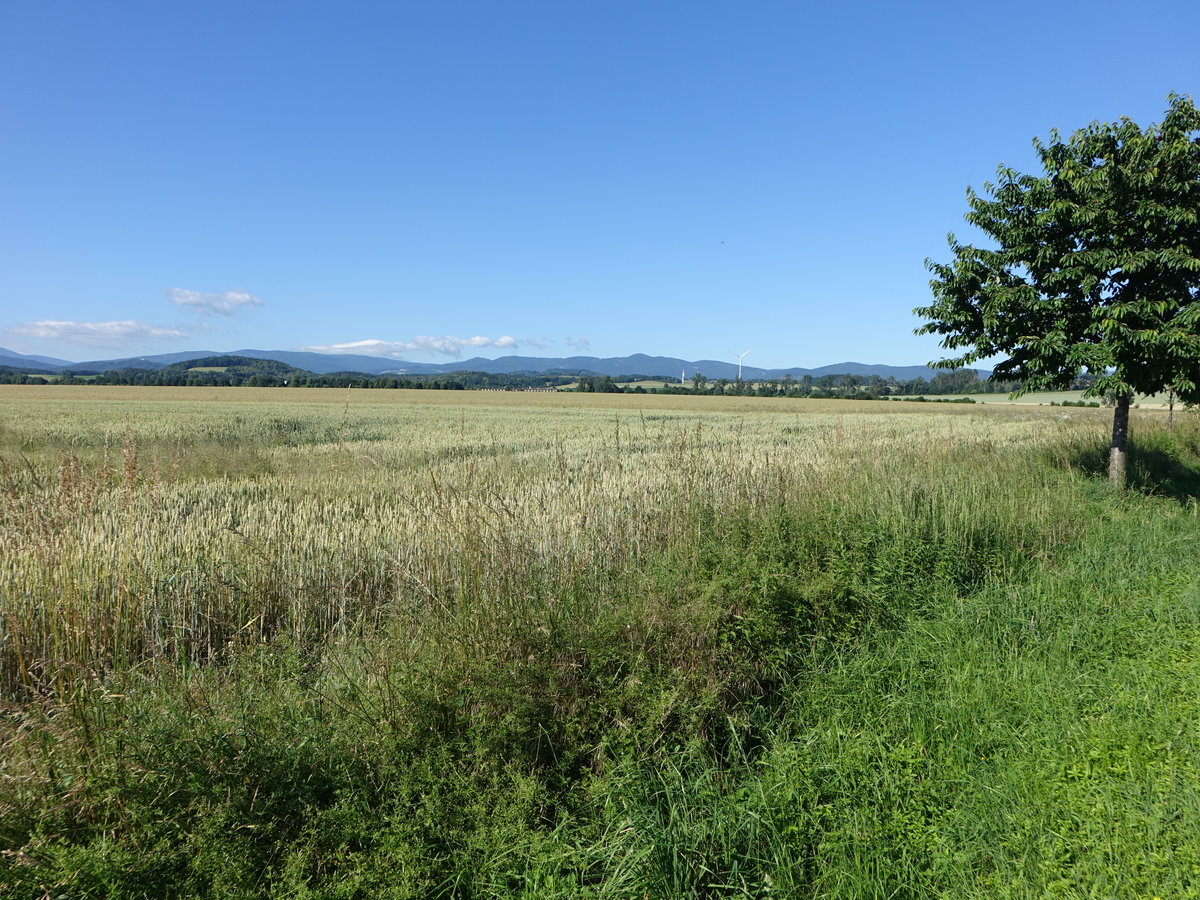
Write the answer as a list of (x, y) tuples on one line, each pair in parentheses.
[(739, 356)]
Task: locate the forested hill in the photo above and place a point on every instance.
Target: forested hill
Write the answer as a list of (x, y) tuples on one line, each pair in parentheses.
[(235, 370), (329, 363), (241, 366), (207, 370)]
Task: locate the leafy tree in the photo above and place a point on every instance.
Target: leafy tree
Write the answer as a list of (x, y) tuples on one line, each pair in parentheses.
[(955, 382), (1096, 267)]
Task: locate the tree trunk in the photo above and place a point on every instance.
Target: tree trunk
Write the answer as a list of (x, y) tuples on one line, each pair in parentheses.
[(1120, 441)]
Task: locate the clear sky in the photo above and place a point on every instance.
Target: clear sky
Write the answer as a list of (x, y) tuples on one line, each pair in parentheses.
[(437, 177)]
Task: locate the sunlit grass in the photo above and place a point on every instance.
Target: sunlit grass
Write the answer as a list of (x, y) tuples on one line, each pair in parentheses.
[(203, 520)]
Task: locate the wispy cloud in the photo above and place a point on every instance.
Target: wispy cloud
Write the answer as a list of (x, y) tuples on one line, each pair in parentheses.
[(95, 334), (211, 304), (581, 344), (444, 346)]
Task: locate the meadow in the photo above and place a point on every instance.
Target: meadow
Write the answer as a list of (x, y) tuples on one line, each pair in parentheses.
[(313, 643)]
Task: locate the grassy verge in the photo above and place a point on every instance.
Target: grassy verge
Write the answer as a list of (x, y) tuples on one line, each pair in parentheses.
[(1038, 737)]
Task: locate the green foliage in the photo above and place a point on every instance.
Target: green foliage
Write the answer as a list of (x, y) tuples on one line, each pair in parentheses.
[(237, 371), (11, 375), (237, 365), (599, 384), (1035, 738), (1096, 263)]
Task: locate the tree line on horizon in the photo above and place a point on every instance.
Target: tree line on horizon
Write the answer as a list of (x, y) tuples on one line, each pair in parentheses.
[(240, 371)]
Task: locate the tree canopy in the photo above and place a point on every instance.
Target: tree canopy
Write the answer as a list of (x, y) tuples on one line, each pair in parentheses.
[(1095, 266)]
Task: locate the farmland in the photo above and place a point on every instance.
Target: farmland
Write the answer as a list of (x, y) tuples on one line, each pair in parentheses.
[(315, 643)]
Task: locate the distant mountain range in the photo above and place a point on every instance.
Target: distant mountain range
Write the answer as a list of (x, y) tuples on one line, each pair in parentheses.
[(326, 363)]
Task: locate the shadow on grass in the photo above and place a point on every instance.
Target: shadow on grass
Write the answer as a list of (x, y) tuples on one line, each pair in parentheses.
[(1158, 467)]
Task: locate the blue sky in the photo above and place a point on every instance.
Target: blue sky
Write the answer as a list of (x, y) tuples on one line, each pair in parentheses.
[(431, 179)]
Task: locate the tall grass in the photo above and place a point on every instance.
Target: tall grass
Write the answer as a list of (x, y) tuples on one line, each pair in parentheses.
[(129, 549), (426, 650)]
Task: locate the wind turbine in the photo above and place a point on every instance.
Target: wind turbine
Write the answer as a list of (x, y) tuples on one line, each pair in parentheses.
[(739, 356)]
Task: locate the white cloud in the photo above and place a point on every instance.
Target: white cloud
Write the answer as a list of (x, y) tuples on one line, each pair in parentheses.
[(445, 346), (95, 334), (581, 344), (210, 304)]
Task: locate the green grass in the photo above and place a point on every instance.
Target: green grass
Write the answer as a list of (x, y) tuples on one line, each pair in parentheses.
[(1035, 738), (527, 650)]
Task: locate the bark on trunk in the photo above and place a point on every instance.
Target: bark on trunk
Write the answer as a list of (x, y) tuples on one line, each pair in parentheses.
[(1120, 442)]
